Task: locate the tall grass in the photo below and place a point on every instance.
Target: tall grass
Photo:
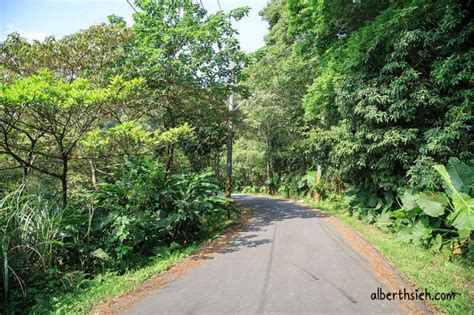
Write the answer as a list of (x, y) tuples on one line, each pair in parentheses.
[(29, 230)]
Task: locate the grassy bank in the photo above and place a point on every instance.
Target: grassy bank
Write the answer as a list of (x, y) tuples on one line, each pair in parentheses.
[(421, 267), (107, 286)]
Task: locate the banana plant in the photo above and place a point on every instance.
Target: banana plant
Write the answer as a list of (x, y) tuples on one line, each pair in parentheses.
[(456, 205), (462, 203)]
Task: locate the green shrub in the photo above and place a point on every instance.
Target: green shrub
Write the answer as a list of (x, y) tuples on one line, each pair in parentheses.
[(440, 219), (30, 239), (138, 212)]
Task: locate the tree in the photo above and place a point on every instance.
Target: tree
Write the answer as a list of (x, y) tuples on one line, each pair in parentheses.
[(43, 119), (87, 54), (277, 78), (188, 58), (374, 91), (399, 96)]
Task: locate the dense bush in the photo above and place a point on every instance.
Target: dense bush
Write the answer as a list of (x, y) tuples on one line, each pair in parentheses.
[(395, 97), (442, 220), (138, 211), (30, 228)]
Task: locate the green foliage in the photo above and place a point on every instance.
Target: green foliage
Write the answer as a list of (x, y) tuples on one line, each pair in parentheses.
[(30, 239), (87, 54), (137, 211), (379, 93), (400, 116), (319, 24), (177, 44), (248, 163), (130, 138), (100, 112), (43, 118), (191, 62), (430, 218)]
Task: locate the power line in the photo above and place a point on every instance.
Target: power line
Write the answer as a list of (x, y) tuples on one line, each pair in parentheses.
[(219, 4), (132, 7), (202, 5)]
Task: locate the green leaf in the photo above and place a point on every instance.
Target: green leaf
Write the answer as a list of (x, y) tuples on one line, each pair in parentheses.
[(463, 217), (174, 246), (432, 203), (311, 178), (444, 175), (101, 254), (384, 220), (471, 250), (458, 197), (370, 216), (436, 243), (404, 235), (463, 235), (462, 175), (408, 201), (420, 233), (459, 200), (399, 214)]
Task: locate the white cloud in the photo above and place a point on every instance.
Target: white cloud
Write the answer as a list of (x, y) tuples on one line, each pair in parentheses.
[(30, 36)]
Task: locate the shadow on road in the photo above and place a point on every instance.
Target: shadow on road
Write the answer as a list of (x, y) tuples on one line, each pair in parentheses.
[(265, 213)]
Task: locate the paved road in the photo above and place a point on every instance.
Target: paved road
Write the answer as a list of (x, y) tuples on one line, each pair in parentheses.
[(287, 260)]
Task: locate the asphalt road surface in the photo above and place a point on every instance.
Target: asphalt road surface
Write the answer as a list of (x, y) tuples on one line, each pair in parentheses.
[(287, 260)]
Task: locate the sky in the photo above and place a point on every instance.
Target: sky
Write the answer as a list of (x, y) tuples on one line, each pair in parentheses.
[(35, 19)]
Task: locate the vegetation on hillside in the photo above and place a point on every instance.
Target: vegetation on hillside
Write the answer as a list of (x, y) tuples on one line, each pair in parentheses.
[(110, 148), (379, 94), (112, 139)]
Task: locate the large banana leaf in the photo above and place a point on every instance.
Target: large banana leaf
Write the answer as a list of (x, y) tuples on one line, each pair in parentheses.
[(463, 216), (432, 203), (461, 175)]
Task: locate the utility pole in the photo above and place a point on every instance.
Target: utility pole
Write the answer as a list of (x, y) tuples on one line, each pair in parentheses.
[(317, 191), (228, 179)]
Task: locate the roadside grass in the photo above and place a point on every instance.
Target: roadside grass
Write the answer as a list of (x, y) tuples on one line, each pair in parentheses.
[(421, 267), (107, 286)]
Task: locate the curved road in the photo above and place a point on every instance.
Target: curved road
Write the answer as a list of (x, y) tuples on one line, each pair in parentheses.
[(286, 260)]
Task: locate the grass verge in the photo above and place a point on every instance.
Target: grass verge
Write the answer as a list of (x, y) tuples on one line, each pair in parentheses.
[(108, 286)]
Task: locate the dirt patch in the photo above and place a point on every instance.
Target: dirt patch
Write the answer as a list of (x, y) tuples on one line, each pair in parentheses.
[(128, 299), (381, 266)]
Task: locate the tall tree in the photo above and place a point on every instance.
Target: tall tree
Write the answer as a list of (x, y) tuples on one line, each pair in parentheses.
[(277, 78), (86, 54), (397, 97), (43, 119), (190, 59)]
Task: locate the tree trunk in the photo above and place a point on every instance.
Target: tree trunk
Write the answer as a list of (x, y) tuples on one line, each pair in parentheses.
[(269, 176), (228, 179), (93, 174), (27, 169), (64, 181), (170, 153), (170, 147)]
